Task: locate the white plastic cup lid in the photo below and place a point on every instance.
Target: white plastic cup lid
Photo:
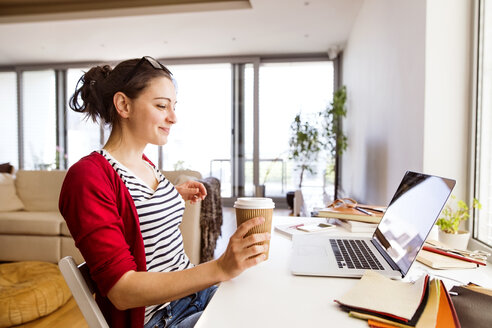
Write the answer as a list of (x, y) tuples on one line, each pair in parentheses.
[(254, 203)]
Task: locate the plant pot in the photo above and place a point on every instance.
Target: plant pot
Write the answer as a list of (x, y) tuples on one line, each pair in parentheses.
[(290, 199), (455, 240), (260, 191)]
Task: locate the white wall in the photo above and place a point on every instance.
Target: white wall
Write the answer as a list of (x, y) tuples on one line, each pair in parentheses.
[(384, 71), (448, 90), (407, 67)]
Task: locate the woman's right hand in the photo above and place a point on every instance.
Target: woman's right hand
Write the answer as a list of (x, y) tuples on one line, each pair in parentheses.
[(241, 253)]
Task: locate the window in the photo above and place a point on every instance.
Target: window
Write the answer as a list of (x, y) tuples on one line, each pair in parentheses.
[(83, 135), (8, 123), (483, 160), (223, 109), (285, 90), (39, 119), (201, 140)]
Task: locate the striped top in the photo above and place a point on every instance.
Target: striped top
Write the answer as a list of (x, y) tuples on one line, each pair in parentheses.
[(160, 213)]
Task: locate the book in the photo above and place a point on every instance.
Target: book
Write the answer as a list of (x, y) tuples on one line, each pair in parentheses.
[(400, 300), (429, 316), (447, 253), (446, 314), (315, 227), (356, 226), (437, 310), (438, 261), (438, 247), (354, 214), (304, 228), (479, 289), (472, 307)]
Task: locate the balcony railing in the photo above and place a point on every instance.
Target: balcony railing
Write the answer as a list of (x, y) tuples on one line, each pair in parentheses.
[(271, 174)]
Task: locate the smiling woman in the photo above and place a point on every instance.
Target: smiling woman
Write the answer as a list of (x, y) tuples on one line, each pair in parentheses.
[(124, 214)]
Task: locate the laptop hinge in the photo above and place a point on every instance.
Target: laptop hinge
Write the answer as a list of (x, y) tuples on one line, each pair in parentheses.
[(384, 254)]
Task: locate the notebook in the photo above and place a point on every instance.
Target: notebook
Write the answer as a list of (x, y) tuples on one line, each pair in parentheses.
[(395, 243)]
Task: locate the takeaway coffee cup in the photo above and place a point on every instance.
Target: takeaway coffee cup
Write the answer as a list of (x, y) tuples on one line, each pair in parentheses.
[(252, 207)]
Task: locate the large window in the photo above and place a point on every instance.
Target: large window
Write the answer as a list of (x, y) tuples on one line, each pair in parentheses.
[(83, 135), (39, 119), (483, 177), (8, 123), (201, 140), (287, 89), (233, 118)]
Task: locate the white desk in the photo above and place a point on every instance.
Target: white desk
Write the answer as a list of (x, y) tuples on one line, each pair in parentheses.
[(268, 295)]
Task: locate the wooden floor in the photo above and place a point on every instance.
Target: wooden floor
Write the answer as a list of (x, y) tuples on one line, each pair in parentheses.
[(69, 315)]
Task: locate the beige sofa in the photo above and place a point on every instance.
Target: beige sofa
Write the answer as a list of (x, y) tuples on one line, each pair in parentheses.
[(39, 232)]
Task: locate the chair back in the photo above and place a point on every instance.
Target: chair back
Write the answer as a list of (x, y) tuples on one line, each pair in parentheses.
[(80, 283)]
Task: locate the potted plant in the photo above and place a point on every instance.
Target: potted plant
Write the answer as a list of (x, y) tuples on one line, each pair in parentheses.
[(305, 145), (332, 137), (449, 222), (323, 132)]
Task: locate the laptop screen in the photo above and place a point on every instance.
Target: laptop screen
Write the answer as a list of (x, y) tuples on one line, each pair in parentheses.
[(410, 216)]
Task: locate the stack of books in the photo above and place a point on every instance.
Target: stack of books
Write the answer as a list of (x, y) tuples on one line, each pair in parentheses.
[(356, 226), (362, 213), (388, 303), (439, 256)]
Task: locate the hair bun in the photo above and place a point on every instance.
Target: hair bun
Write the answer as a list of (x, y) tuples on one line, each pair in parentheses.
[(105, 70), (97, 74), (92, 85)]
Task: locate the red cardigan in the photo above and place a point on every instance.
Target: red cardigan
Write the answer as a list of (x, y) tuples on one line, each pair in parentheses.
[(103, 221)]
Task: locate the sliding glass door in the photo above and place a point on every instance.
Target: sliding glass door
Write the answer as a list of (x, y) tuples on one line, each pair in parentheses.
[(234, 117)]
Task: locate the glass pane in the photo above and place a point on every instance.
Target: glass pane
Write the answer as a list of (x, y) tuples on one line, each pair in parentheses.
[(483, 228), (8, 123), (285, 90), (201, 140), (152, 153), (83, 135), (39, 119)]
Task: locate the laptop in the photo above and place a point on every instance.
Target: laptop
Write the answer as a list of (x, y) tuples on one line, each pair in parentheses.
[(393, 247)]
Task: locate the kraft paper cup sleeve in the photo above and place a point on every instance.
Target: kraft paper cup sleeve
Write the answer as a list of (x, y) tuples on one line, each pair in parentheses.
[(243, 215)]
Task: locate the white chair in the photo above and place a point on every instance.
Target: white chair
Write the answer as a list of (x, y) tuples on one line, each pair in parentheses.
[(80, 283)]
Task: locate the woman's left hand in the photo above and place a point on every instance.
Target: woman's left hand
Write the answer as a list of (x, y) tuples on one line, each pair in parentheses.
[(192, 190)]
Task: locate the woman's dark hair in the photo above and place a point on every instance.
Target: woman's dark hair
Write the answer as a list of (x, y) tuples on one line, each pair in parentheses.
[(96, 88)]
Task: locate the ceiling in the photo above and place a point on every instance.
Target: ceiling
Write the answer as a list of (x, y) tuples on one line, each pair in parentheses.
[(192, 28)]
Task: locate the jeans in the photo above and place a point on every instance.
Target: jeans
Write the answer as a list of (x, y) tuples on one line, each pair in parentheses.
[(182, 313)]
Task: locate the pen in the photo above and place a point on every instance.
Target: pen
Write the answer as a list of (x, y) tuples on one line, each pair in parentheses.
[(371, 209), (296, 226), (439, 251), (363, 211)]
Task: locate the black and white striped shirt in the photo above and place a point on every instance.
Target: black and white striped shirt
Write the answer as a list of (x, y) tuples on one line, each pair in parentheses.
[(160, 213)]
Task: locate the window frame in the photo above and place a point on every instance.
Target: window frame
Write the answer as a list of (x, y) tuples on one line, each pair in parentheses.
[(256, 60), (478, 39)]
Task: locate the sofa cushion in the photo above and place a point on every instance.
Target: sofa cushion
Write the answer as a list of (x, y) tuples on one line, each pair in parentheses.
[(8, 197), (31, 223), (64, 229), (29, 248), (39, 190)]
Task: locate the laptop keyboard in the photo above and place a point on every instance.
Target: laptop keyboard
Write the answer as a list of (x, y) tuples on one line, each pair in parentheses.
[(354, 254)]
